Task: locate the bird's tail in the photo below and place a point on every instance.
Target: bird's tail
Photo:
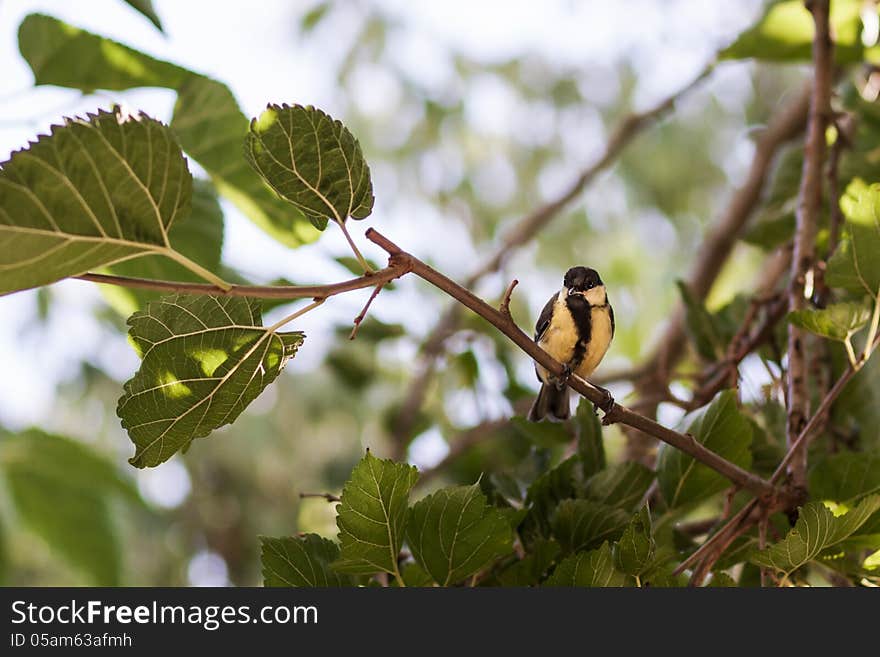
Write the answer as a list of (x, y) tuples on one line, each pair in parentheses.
[(551, 403)]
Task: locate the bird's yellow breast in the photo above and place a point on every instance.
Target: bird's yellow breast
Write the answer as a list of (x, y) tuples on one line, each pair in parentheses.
[(561, 336)]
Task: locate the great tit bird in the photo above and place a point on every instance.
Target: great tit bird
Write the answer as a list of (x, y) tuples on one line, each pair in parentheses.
[(575, 327)]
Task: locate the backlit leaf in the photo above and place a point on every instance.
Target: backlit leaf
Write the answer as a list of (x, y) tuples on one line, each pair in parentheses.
[(204, 359), (300, 561), (589, 569)]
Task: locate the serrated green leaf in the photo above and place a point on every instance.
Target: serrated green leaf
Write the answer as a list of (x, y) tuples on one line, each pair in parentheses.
[(372, 515), (62, 490), (636, 546), (845, 477), (720, 427), (199, 238), (548, 490), (94, 192), (300, 561), (816, 530), (622, 485), (207, 119), (530, 570), (204, 359), (67, 56), (145, 7), (837, 322), (413, 575), (211, 128), (454, 533), (584, 524), (700, 325), (785, 34), (589, 569), (541, 434), (311, 160), (590, 447), (855, 265)]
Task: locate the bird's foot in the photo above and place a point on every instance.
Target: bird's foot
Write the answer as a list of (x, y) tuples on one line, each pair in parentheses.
[(606, 403), (562, 380)]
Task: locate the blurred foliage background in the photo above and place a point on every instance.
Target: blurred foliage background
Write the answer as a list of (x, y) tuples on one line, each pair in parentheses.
[(470, 117)]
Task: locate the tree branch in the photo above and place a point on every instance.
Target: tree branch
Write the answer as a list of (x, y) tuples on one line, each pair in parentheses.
[(522, 233), (614, 413), (808, 209), (394, 270)]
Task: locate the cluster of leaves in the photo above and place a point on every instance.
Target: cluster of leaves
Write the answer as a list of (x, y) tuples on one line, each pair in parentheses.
[(580, 522)]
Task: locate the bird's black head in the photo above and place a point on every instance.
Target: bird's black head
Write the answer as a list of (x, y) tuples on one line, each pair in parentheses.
[(581, 279)]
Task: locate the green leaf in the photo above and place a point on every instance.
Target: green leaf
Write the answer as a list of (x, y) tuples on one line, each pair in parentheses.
[(207, 118), (785, 34), (199, 238), (816, 530), (837, 322), (372, 515), (636, 546), (454, 533), (145, 7), (95, 192), (622, 485), (211, 128), (313, 17), (413, 575), (541, 434), (590, 447), (700, 325), (590, 569), (548, 490), (204, 360), (300, 561), (312, 161), (530, 569), (720, 427), (855, 265), (67, 56), (722, 580), (845, 477), (584, 524), (62, 491)]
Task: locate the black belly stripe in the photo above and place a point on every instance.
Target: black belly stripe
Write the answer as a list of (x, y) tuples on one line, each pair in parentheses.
[(583, 321)]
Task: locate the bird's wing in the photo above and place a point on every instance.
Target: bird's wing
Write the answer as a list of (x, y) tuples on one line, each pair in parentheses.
[(544, 319), (611, 313)]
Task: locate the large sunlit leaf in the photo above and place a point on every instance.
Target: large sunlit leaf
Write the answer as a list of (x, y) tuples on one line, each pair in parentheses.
[(855, 265), (311, 160), (204, 360), (199, 238), (67, 56), (837, 322), (300, 561), (94, 192), (816, 530), (846, 476), (372, 515), (785, 33), (584, 524), (720, 427), (454, 533), (62, 490), (207, 119), (590, 569)]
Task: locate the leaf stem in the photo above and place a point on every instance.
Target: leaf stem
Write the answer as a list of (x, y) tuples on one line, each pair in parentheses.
[(872, 331), (197, 269), (357, 254), (299, 313)]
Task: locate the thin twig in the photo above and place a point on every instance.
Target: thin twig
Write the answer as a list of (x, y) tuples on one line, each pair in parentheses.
[(808, 209), (505, 300), (614, 413), (392, 271), (330, 497), (363, 313)]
